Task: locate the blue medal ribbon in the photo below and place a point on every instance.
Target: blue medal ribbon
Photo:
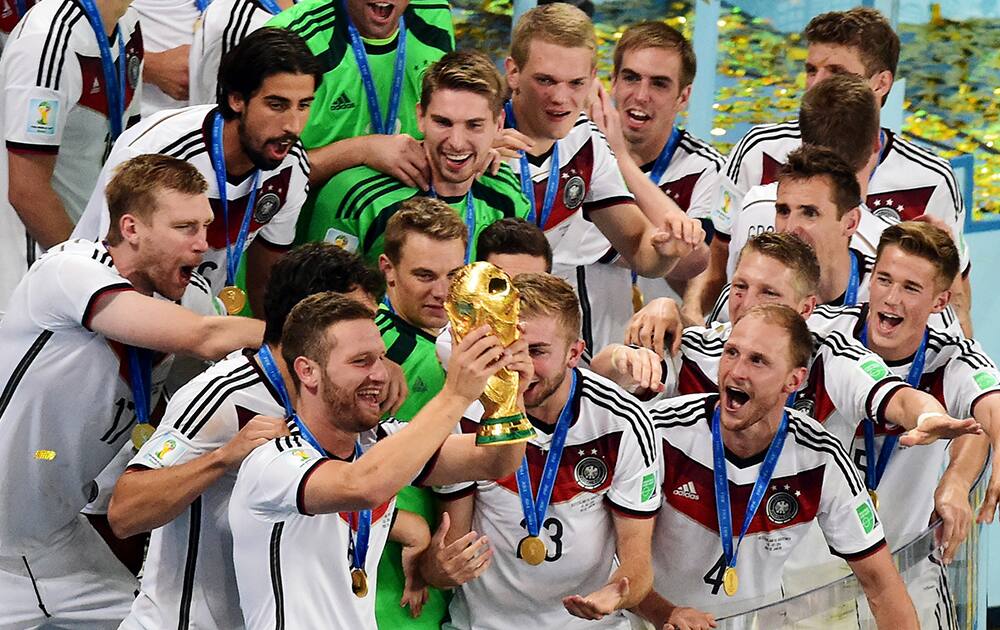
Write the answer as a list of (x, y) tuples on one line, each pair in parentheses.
[(470, 220), (203, 4), (233, 253), (388, 125), (535, 509), (851, 294), (114, 82), (722, 508), (875, 468), (271, 6), (527, 186), (362, 520), (140, 371)]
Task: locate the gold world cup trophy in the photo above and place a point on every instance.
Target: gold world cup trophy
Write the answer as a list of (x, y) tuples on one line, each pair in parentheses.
[(482, 294)]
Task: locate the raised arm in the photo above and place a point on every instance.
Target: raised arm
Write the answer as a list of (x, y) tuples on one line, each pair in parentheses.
[(400, 156), (890, 603)]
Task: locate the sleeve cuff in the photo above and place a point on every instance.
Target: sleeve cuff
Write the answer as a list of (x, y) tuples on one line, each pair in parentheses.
[(860, 555), (300, 493), (427, 469), (454, 495), (879, 413), (32, 149), (630, 512), (88, 312), (274, 247), (605, 203)]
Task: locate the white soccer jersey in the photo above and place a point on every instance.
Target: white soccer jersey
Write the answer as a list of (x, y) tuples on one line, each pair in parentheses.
[(610, 462), (224, 24), (186, 134), (909, 181), (589, 181), (189, 580), (293, 568), (55, 441), (55, 103), (166, 24), (813, 480)]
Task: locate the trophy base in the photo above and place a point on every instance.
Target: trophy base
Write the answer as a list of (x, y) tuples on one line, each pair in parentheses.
[(504, 430)]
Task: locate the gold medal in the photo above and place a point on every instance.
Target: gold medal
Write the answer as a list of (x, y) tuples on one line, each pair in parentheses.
[(637, 299), (730, 582), (532, 550), (141, 434), (874, 496), (359, 582), (234, 299)]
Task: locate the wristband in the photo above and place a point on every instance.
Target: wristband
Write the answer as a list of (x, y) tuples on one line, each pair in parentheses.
[(928, 414)]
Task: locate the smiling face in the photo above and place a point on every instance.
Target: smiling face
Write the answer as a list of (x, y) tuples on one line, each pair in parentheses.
[(353, 378), (551, 88), (171, 245), (553, 354), (760, 279), (756, 373), (648, 93), (376, 20), (418, 284), (806, 209), (905, 291), (271, 121), (459, 128)]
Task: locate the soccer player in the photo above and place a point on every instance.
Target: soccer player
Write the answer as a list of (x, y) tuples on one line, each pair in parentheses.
[(587, 490), (516, 246), (310, 513), (460, 114), (179, 483), (248, 146), (375, 54), (82, 364), (654, 67), (223, 25), (777, 469), (909, 181), (64, 102), (568, 169)]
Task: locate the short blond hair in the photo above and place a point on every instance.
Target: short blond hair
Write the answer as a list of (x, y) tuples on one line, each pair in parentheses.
[(134, 189), (422, 215), (548, 295), (558, 23)]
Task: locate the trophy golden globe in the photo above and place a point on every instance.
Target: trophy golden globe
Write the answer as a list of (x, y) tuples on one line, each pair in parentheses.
[(482, 294)]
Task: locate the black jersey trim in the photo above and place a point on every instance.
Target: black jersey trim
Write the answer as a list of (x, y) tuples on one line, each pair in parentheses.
[(630, 512), (722, 303), (274, 560), (190, 564), (807, 437), (24, 147), (212, 395), (88, 311), (22, 367), (696, 146), (429, 34), (493, 198), (300, 492), (840, 346), (381, 221), (455, 495), (860, 555), (630, 410), (58, 46), (758, 134), (586, 321), (695, 339), (317, 19), (684, 415)]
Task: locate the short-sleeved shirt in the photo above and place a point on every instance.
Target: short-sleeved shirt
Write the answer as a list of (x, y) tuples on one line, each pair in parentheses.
[(354, 208), (55, 440), (909, 180), (186, 134), (292, 567), (610, 464), (188, 579), (813, 480), (223, 25)]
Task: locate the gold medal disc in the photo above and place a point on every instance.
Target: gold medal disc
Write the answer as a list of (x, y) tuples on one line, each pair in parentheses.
[(359, 582), (730, 581), (233, 298), (637, 299), (874, 496), (532, 550), (141, 434)]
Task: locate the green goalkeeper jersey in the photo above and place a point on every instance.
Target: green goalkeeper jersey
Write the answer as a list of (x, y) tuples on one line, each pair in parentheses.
[(353, 209)]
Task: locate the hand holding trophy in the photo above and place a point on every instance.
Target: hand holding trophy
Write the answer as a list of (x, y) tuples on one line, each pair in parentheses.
[(482, 294)]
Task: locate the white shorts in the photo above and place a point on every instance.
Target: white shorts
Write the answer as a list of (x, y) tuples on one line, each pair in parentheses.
[(76, 582)]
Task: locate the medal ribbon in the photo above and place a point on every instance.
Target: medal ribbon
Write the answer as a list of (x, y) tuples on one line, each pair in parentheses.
[(22, 8), (660, 167), (114, 82), (140, 372), (881, 154), (388, 126), (362, 521), (219, 164), (527, 186), (470, 220), (851, 294), (534, 510), (271, 6), (203, 4), (875, 468), (722, 508)]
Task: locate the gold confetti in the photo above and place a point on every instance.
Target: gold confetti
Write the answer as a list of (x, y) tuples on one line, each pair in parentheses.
[(45, 455)]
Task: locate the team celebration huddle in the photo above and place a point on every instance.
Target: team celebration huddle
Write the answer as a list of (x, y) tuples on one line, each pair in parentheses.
[(312, 321)]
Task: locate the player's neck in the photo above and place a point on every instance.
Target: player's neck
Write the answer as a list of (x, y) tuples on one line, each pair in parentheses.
[(645, 150), (444, 188), (111, 11), (904, 350), (754, 439), (539, 143), (314, 413), (548, 412), (237, 161), (129, 266), (833, 281), (285, 4)]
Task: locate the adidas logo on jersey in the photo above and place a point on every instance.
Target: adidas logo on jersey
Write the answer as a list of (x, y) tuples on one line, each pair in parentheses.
[(342, 102), (687, 491)]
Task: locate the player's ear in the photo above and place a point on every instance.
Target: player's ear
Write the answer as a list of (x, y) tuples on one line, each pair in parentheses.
[(236, 102), (128, 226), (307, 371), (420, 118), (851, 220), (807, 306), (575, 353), (941, 301), (683, 98), (385, 266), (881, 84), (512, 72), (795, 379)]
